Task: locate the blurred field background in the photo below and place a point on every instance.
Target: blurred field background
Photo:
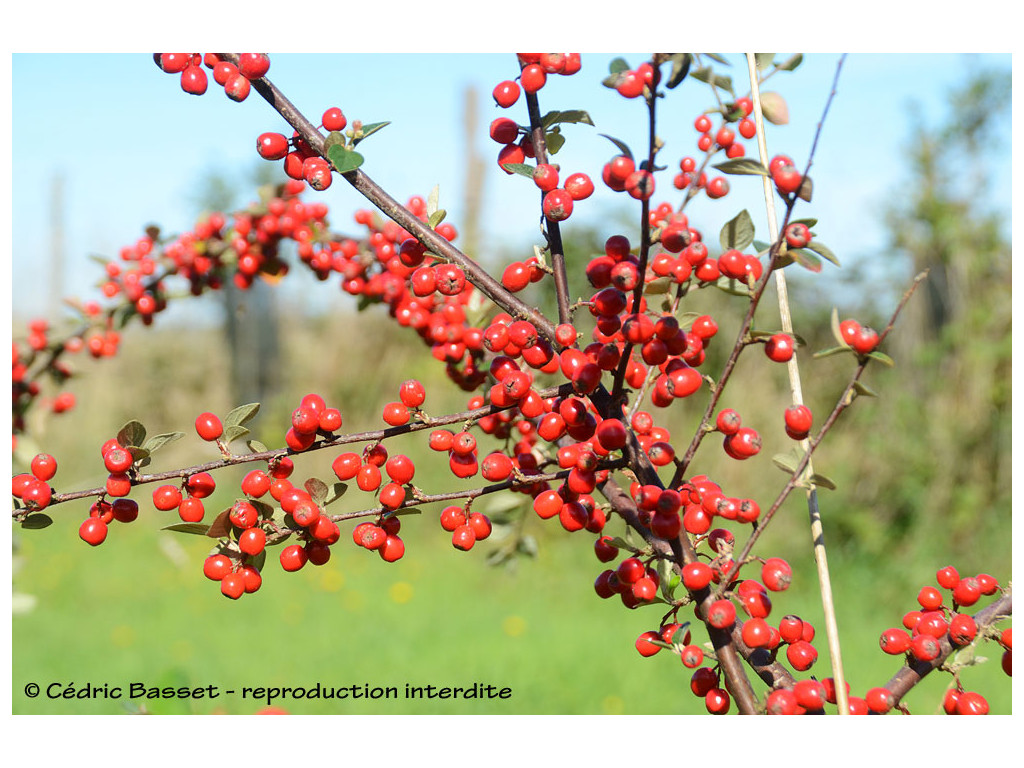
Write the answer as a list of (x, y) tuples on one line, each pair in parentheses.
[(923, 476)]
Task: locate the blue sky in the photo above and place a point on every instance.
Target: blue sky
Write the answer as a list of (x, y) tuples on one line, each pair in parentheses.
[(131, 146)]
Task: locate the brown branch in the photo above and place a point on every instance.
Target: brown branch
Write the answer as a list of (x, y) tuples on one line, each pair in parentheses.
[(845, 401), (551, 228), (401, 215), (914, 671), (327, 442)]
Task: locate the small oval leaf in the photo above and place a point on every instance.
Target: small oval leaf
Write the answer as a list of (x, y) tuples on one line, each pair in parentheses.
[(37, 521), (621, 145), (344, 160), (738, 232), (241, 415), (199, 529), (742, 166), (132, 433)]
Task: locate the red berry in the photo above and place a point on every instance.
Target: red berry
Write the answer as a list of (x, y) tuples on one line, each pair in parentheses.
[(166, 497), (722, 614), (252, 541), (209, 427), (557, 205), (579, 186), (396, 414), (193, 80), (880, 700), (216, 567), (967, 591), (272, 146), (293, 557), (798, 420), (780, 348), (506, 93), (644, 646), (191, 510), (717, 701), (970, 703), (334, 120), (44, 467), (253, 65), (533, 78), (895, 641), (93, 531), (117, 460)]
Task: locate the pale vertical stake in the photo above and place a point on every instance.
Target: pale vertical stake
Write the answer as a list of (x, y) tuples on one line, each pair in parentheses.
[(817, 534)]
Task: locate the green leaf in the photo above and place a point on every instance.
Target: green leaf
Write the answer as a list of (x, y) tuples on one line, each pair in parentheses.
[(334, 139), (658, 286), (762, 246), (436, 218), (836, 333), (337, 491), (241, 415), (617, 65), (806, 189), (764, 60), (132, 433), (37, 521), (433, 198), (789, 66), (680, 634), (255, 446), (316, 488), (619, 543), (156, 442), (221, 525), (521, 168), (732, 287), (864, 389), (719, 58), (830, 351), (234, 432), (823, 482), (705, 75), (665, 574), (566, 116), (774, 108), (738, 232), (199, 529), (368, 131), (822, 250), (742, 166), (407, 511), (810, 223), (554, 140), (266, 510), (785, 461), (622, 147), (344, 160), (805, 259), (882, 358), (680, 68), (138, 454)]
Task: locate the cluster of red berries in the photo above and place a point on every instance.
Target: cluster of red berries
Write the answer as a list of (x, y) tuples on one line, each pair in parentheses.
[(923, 630), (234, 79), (861, 338), (240, 248), (33, 488), (300, 161), (466, 527), (535, 70)]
